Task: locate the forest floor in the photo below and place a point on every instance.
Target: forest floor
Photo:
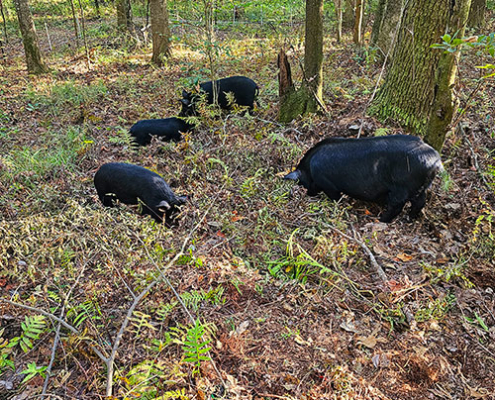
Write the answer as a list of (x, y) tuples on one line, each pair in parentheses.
[(283, 285)]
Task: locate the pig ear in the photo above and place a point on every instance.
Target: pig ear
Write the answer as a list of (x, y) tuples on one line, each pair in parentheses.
[(294, 175), (185, 94), (163, 205)]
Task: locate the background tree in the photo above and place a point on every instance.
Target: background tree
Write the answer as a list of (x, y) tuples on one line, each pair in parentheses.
[(160, 30), (418, 75), (339, 15), (34, 59), (358, 22), (477, 13), (308, 97), (348, 14), (124, 15), (385, 26)]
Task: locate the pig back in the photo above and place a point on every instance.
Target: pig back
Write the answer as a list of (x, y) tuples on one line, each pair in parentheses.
[(370, 168)]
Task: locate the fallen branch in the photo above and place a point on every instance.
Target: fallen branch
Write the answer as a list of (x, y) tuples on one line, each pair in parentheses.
[(360, 242)]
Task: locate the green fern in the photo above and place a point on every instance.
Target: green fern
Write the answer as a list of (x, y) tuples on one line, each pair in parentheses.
[(193, 299), (32, 328), (83, 311), (165, 309), (195, 347), (5, 353)]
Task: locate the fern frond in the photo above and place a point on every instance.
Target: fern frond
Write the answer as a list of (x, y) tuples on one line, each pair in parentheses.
[(195, 346)]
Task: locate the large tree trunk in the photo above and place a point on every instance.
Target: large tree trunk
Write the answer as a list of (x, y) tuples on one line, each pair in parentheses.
[(443, 106), (412, 86), (385, 26), (34, 59), (160, 31), (308, 98), (477, 13)]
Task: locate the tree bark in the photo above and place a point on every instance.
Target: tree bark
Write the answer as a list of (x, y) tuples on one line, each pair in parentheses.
[(124, 16), (339, 15), (443, 107), (308, 98), (412, 86), (385, 26), (348, 14), (34, 59), (477, 12), (160, 31), (358, 22), (285, 84)]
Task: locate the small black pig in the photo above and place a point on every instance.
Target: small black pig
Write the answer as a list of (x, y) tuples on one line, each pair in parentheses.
[(167, 129), (388, 170), (244, 89), (128, 183)]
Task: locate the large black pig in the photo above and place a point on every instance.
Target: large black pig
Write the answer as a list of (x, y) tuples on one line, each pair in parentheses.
[(128, 183), (167, 129), (390, 170), (244, 90)]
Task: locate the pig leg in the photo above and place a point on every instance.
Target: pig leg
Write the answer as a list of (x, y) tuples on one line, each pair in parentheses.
[(417, 204), (108, 201), (396, 200)]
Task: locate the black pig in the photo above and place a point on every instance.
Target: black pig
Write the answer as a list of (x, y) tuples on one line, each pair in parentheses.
[(388, 169), (128, 183), (167, 129), (244, 89)]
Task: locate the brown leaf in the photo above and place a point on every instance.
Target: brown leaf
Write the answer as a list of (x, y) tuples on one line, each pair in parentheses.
[(403, 257)]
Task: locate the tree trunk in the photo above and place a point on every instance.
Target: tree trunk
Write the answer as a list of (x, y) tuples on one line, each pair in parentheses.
[(97, 7), (34, 59), (160, 31), (443, 102), (385, 26), (4, 23), (285, 84), (308, 98), (477, 12), (411, 86), (348, 14), (339, 15), (358, 22), (124, 15)]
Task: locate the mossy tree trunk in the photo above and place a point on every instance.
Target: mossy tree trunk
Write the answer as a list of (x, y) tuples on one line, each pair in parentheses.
[(34, 59), (308, 97), (443, 105), (385, 26), (160, 31), (412, 86), (477, 13)]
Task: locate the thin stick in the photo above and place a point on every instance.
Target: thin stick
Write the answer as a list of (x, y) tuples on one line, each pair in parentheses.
[(167, 281), (57, 333), (111, 359)]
